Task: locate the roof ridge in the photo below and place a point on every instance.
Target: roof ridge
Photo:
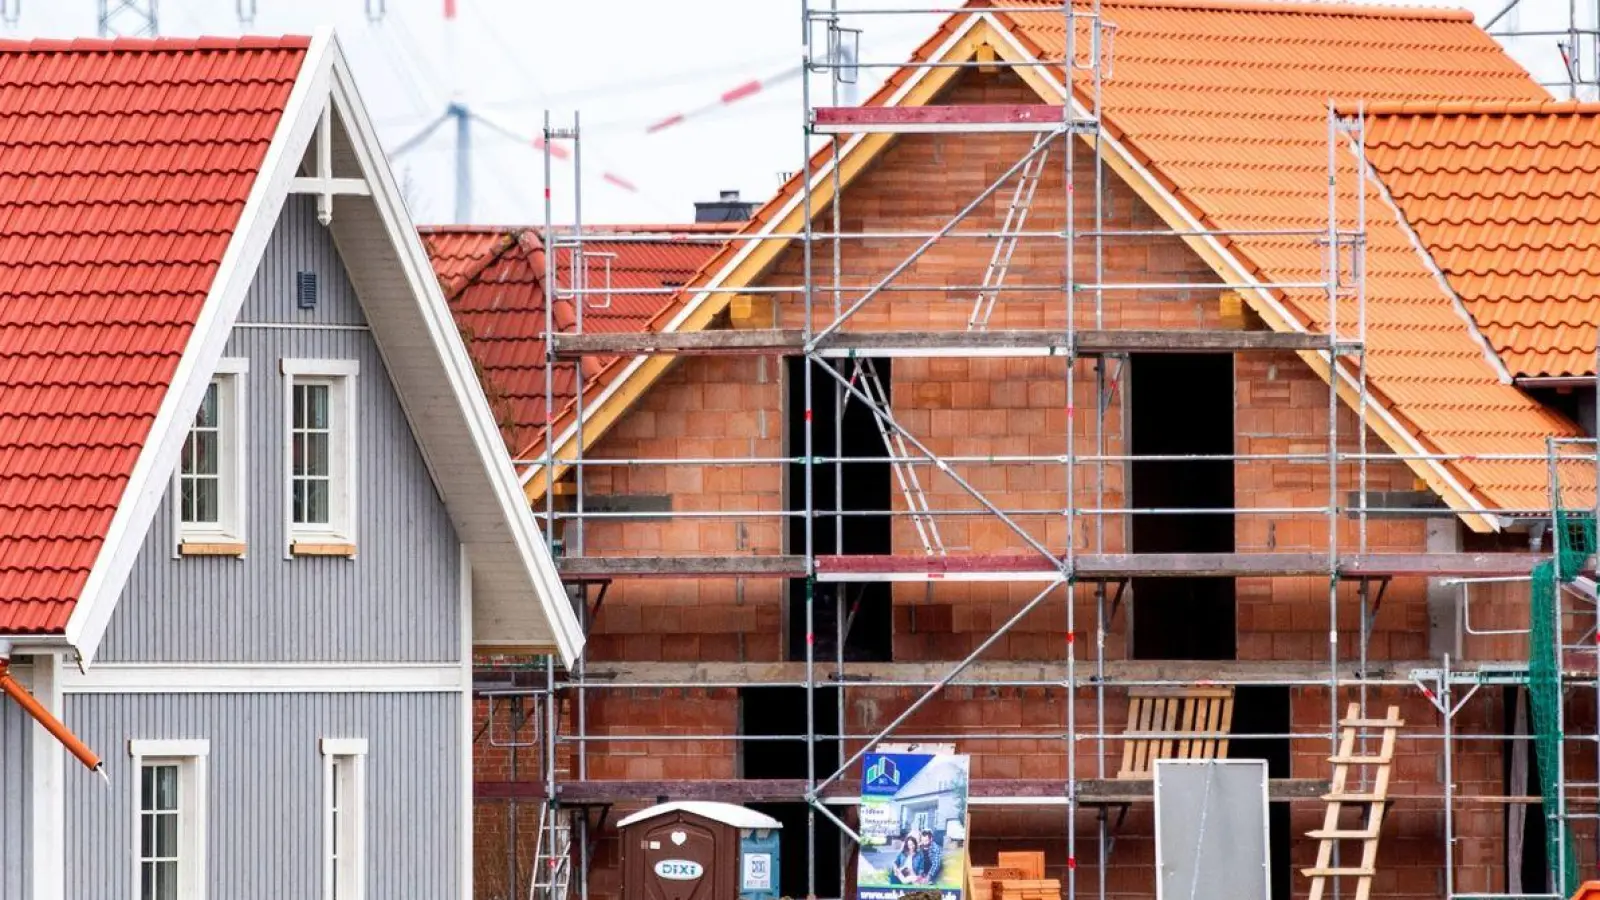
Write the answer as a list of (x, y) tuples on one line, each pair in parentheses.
[(160, 44), (1307, 7), (1475, 108)]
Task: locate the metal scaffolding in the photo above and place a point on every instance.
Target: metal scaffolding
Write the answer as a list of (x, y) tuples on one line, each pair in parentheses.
[(1088, 566)]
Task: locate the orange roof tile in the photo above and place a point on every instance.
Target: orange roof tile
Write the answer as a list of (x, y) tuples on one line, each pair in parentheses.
[(494, 277), (128, 164), (1504, 197), (1224, 103)]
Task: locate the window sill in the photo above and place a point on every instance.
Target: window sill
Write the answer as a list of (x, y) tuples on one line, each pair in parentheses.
[(322, 548), (210, 547)]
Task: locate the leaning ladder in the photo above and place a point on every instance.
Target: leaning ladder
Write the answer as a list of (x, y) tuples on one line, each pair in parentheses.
[(552, 864), (1005, 246), (900, 458), (1369, 804)]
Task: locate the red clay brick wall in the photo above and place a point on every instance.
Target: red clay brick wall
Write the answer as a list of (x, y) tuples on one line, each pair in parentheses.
[(735, 407)]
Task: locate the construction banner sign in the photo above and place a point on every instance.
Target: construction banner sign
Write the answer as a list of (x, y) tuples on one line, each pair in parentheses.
[(913, 825)]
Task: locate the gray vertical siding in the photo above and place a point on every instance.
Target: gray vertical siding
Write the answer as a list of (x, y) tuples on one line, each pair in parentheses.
[(397, 600), (264, 779), (16, 807)]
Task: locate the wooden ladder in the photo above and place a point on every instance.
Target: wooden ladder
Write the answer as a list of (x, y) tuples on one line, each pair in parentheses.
[(1341, 796)]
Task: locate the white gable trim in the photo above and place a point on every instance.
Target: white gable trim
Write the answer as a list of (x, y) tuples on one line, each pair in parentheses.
[(461, 375), (324, 81), (152, 470), (1237, 274), (748, 246)]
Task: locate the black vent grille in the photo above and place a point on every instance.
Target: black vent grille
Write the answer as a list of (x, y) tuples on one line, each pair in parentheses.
[(306, 290)]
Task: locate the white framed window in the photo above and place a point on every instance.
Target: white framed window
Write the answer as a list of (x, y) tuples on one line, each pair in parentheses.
[(344, 818), (320, 450), (170, 833), (211, 472)]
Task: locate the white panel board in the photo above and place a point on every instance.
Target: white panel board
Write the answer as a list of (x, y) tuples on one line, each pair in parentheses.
[(1211, 829)]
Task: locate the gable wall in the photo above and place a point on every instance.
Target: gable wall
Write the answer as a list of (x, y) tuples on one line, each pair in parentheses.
[(397, 600), (734, 406)]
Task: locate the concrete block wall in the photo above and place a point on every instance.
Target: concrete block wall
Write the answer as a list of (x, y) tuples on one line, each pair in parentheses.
[(735, 406)]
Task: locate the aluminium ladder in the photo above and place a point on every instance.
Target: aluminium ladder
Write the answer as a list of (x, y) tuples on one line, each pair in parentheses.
[(552, 864), (1369, 804), (1005, 245), (900, 457)]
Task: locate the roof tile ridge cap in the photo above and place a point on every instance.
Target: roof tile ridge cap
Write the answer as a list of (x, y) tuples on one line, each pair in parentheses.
[(155, 45), (1475, 107), (1307, 7)]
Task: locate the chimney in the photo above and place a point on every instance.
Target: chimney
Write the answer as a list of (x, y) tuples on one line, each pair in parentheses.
[(726, 208)]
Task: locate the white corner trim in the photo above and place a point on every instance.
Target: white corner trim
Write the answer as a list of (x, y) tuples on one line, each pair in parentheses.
[(320, 368), (144, 491), (467, 709), (460, 373), (1489, 355), (342, 746), (140, 748), (49, 800), (267, 678), (1238, 273), (748, 245)]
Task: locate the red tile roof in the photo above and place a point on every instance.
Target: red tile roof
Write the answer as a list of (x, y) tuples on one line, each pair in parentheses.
[(127, 165), (1504, 197), (1226, 101), (494, 280), (1264, 168)]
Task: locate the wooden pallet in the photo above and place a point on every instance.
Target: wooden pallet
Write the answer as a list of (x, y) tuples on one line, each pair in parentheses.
[(1368, 803), (1028, 889), (1195, 723)]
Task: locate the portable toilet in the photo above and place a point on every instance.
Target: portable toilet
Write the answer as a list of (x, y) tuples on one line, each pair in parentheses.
[(699, 851)]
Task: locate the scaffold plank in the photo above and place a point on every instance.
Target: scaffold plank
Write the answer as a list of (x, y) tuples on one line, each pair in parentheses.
[(983, 792), (1002, 342), (1121, 672), (981, 118), (1035, 567), (682, 566)]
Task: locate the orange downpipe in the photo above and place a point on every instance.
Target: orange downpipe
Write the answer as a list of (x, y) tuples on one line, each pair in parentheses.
[(51, 724)]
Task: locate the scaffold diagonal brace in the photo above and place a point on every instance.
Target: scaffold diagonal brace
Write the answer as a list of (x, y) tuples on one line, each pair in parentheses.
[(949, 226), (888, 419), (814, 796)]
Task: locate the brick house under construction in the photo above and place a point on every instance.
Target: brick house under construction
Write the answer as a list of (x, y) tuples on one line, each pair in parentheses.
[(1096, 457)]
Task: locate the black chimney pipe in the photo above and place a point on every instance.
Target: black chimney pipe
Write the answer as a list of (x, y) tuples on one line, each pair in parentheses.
[(726, 208)]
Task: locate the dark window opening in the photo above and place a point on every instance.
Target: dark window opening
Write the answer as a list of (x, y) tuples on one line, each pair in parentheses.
[(1576, 403), (1265, 710), (1521, 770), (782, 711), (866, 607), (1182, 404)]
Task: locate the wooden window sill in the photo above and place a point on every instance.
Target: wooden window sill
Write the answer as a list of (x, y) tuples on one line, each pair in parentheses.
[(210, 548), (324, 548)]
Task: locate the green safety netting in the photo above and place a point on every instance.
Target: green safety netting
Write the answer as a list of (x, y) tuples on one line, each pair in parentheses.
[(1544, 692), (1574, 540)]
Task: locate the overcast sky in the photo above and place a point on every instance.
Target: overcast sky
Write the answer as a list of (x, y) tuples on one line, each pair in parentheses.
[(621, 64)]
